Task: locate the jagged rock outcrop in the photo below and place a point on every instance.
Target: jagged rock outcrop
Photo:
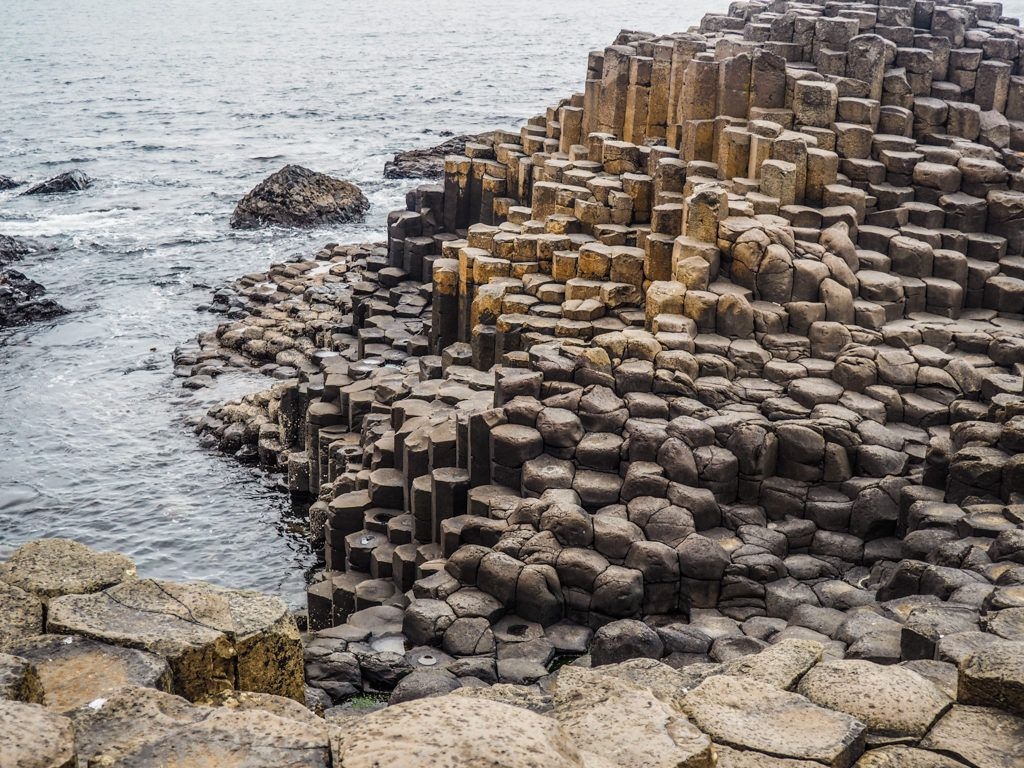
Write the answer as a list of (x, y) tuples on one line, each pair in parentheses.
[(6, 182), (12, 249), (428, 163), (298, 197), (71, 181), (23, 300)]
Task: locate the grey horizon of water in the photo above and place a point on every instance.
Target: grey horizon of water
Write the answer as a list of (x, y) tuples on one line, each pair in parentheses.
[(176, 112)]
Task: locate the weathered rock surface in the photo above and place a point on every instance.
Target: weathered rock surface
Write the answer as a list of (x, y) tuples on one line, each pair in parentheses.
[(74, 671), (892, 701), (53, 567), (21, 614), (428, 163), (298, 197), (624, 723), (33, 737), (214, 639), (979, 736), (6, 182), (22, 300), (137, 728), (71, 181), (455, 732), (994, 677), (12, 249), (19, 680), (750, 715)]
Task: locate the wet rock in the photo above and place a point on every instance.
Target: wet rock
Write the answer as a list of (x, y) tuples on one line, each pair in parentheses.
[(298, 197), (455, 732), (625, 723), (71, 181), (428, 163), (11, 249), (213, 638), (6, 182), (53, 567), (73, 671), (747, 714), (34, 737), (22, 300)]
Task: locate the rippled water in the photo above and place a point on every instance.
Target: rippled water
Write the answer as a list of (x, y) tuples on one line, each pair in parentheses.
[(176, 109)]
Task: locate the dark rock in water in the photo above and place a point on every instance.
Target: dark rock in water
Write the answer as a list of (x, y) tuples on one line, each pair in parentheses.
[(72, 181), (22, 301), (298, 197), (428, 163), (6, 182), (12, 249)]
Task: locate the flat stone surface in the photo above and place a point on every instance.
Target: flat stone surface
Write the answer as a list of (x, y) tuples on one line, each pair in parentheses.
[(52, 567), (898, 756), (33, 737), (980, 736), (213, 638), (75, 670), (735, 758), (781, 665), (525, 696), (624, 723), (892, 701), (748, 714), (994, 677), (141, 727), (454, 732)]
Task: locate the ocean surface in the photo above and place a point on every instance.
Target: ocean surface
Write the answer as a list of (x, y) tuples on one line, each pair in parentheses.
[(176, 110)]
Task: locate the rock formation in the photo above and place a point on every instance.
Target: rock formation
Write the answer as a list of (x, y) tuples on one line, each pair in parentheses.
[(72, 181), (709, 379), (6, 182), (298, 197), (12, 249), (22, 300), (429, 163)]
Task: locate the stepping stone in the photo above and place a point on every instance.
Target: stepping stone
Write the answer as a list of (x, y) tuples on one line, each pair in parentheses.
[(624, 723), (74, 671), (34, 737), (892, 701), (213, 638), (994, 676), (458, 731), (140, 727), (980, 736), (748, 714), (53, 567)]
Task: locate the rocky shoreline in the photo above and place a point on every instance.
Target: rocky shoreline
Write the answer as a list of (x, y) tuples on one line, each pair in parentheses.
[(684, 426)]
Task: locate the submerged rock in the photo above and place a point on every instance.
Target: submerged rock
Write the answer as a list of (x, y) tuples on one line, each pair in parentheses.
[(11, 248), (72, 181), (298, 197), (21, 300), (428, 163)]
